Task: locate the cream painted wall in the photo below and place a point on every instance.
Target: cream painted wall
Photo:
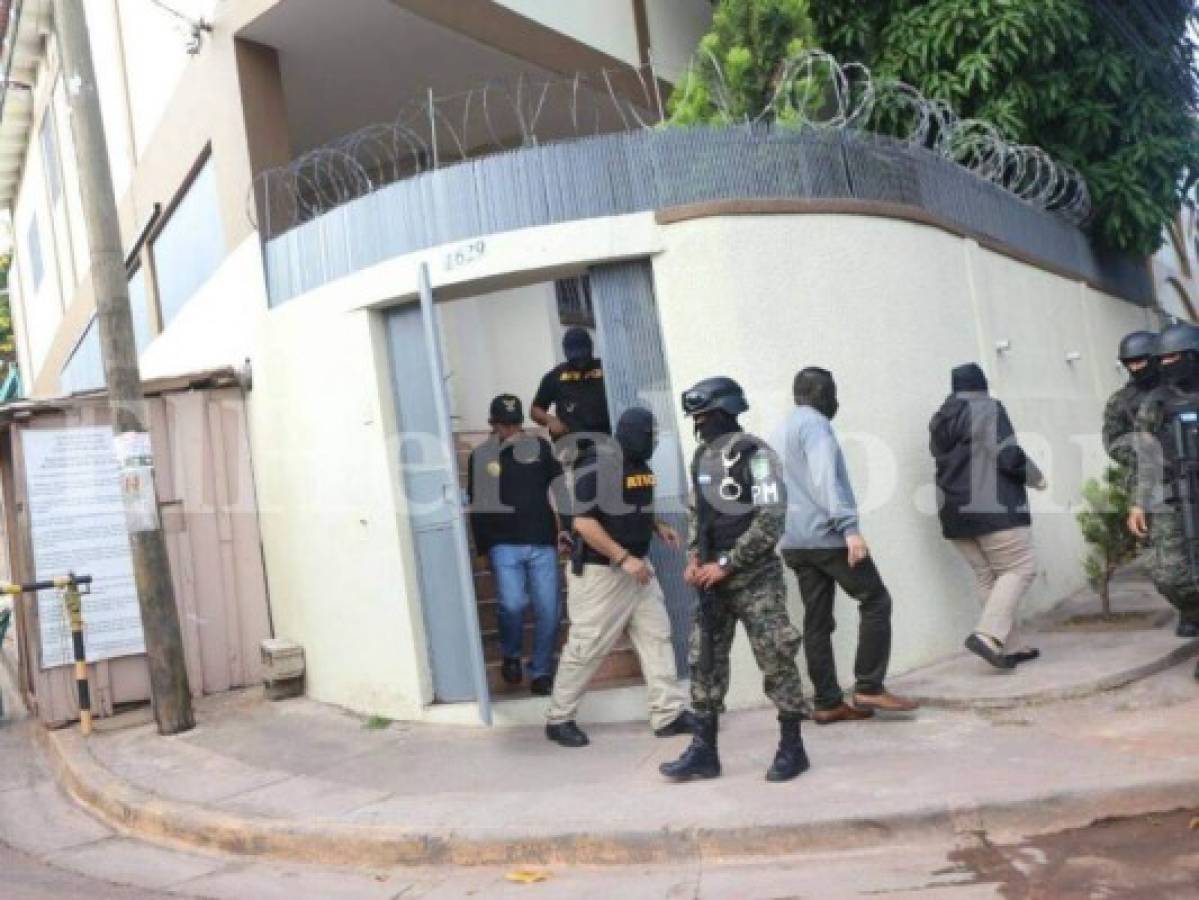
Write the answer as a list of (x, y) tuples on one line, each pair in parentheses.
[(497, 343), (890, 307), (110, 82), (675, 27), (323, 432), (216, 327), (155, 58), (607, 25), (339, 560)]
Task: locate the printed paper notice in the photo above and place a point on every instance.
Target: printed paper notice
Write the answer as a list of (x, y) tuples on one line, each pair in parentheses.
[(77, 521)]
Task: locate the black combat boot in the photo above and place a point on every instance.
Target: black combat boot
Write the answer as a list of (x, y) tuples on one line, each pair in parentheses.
[(699, 760), (791, 760)]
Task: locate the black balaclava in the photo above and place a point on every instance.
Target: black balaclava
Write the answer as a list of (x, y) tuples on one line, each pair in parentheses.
[(715, 424), (635, 434), (1183, 374), (968, 378), (1148, 377), (577, 346), (815, 387)]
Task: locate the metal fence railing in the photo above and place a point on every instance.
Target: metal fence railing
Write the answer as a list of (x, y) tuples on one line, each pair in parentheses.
[(653, 169)]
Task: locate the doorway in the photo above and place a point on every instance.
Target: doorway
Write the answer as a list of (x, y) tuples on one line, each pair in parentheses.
[(504, 342)]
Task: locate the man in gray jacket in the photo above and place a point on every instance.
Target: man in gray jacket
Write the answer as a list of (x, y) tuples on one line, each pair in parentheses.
[(823, 546)]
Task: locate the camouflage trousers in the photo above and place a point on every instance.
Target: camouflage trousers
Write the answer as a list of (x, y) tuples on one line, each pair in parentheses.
[(1170, 567), (758, 600)]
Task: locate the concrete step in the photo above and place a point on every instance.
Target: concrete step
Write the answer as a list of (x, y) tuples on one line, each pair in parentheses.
[(489, 614), (620, 668)]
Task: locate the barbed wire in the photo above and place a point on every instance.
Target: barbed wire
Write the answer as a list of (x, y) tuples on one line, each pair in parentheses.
[(812, 90)]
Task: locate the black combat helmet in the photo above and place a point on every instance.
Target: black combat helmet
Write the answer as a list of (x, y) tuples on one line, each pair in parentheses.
[(1177, 338), (715, 393), (1181, 340), (1138, 345)]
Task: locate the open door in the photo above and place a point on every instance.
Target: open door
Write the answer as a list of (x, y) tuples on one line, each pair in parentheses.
[(636, 375), (436, 514)]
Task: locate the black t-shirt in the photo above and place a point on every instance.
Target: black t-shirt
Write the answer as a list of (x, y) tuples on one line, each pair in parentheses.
[(619, 494), (508, 486), (578, 397)]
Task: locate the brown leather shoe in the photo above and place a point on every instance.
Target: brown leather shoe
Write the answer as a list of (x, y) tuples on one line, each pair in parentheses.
[(842, 713), (886, 701)]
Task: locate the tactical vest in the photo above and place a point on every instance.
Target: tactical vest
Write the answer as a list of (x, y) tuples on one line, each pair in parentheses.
[(1179, 432), (731, 481), (632, 525), (1129, 400)]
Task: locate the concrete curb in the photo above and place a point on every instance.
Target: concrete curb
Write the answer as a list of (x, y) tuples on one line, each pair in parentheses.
[(1184, 651), (150, 818)]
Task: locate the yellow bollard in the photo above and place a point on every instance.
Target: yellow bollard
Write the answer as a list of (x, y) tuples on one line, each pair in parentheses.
[(74, 605), (68, 587)]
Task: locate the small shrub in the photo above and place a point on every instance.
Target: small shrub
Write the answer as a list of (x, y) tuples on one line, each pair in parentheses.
[(1110, 543)]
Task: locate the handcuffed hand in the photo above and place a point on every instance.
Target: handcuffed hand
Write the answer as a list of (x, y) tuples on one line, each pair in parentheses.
[(1138, 522), (638, 568), (709, 575), (858, 549)]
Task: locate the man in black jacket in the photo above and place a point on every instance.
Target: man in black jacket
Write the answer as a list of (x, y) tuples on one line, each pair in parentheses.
[(510, 478), (982, 474)]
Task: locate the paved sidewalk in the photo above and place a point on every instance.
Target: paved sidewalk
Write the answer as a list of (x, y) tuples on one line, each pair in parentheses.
[(298, 780), (1080, 655)]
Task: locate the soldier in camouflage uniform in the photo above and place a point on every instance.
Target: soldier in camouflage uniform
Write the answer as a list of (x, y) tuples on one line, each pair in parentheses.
[(1156, 513), (738, 513), (1119, 416)]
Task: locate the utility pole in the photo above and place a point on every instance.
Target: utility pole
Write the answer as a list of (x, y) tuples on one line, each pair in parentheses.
[(169, 689)]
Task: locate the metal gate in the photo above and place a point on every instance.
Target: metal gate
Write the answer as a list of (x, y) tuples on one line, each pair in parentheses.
[(635, 375)]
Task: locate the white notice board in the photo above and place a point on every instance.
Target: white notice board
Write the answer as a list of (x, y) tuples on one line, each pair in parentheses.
[(77, 524)]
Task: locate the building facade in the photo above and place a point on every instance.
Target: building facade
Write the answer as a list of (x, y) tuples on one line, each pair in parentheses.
[(268, 81), (384, 281)]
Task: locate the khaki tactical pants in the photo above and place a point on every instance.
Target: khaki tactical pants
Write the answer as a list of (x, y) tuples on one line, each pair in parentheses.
[(1004, 566), (602, 604)]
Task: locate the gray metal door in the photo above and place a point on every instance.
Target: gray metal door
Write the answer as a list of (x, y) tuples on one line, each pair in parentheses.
[(435, 509), (635, 374)]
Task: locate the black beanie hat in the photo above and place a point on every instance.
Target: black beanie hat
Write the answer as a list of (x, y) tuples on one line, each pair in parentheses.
[(968, 378)]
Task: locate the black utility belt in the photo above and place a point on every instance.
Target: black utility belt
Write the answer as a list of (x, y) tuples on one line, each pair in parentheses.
[(604, 561)]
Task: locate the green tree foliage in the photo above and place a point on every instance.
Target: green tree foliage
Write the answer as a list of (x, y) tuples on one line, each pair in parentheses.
[(1110, 543), (8, 348), (1106, 87), (735, 72)]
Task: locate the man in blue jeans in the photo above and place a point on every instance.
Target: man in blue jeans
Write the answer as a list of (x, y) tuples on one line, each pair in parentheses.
[(510, 478)]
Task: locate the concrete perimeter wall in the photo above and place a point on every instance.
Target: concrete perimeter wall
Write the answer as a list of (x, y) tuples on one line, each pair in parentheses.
[(889, 307)]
